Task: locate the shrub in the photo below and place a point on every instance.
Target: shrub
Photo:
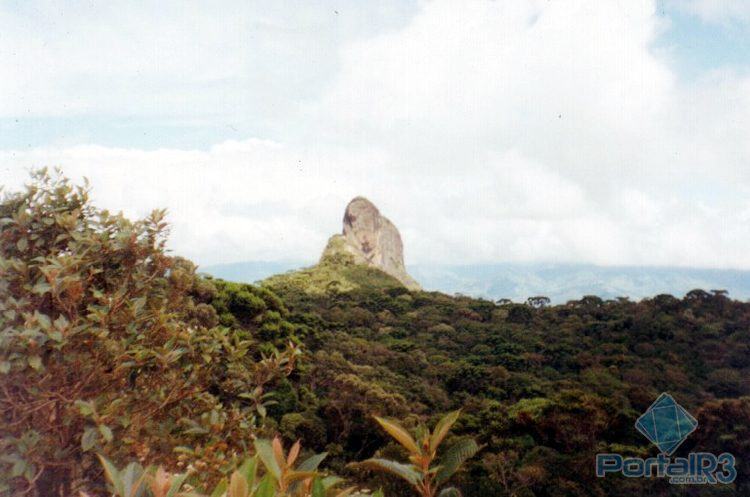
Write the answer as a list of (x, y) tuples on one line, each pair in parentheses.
[(108, 344), (269, 473), (420, 473)]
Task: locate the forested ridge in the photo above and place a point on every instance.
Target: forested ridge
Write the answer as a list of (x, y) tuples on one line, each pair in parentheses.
[(543, 388), (112, 347)]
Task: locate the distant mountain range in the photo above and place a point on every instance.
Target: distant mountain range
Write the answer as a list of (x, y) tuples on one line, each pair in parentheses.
[(559, 282), (563, 282)]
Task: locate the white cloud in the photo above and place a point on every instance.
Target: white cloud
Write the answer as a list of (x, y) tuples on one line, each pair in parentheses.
[(500, 131), (716, 11), (189, 62)]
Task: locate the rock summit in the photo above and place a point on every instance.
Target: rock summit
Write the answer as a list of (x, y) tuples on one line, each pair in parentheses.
[(371, 239)]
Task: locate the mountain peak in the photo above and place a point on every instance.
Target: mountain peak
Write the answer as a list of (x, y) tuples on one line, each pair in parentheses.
[(371, 239)]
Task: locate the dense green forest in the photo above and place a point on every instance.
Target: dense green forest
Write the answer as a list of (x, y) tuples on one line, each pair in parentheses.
[(110, 346), (543, 388)]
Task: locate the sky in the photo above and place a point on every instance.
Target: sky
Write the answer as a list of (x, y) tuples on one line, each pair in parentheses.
[(610, 132)]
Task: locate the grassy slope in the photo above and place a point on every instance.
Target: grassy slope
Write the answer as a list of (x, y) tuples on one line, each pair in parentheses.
[(336, 272)]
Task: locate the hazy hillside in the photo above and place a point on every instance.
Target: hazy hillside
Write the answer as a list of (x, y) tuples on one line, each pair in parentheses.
[(559, 282), (563, 282)]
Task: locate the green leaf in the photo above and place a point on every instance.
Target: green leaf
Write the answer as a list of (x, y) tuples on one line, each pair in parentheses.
[(265, 452), (4, 367), (41, 287), (106, 432), (220, 488), (442, 428), (266, 488), (318, 490), (309, 466), (249, 469), (44, 321), (18, 468), (312, 462), (331, 481), (84, 407), (30, 472), (61, 322), (455, 457), (35, 362), (449, 492), (405, 471), (89, 438), (400, 434), (132, 480), (177, 482), (112, 474), (22, 244)]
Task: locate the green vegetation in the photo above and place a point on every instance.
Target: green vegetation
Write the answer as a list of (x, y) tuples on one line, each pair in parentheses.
[(543, 388), (421, 474), (110, 347), (336, 273), (279, 478)]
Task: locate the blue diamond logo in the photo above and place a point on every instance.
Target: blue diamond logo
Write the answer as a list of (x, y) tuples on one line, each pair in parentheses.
[(666, 424)]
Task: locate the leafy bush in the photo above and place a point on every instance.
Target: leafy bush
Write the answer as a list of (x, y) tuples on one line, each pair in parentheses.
[(109, 344), (424, 477), (277, 476)]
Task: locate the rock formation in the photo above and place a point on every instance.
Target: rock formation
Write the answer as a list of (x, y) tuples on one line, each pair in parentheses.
[(370, 239)]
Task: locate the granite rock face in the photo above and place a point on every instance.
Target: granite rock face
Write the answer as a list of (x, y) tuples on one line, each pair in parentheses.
[(371, 239)]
